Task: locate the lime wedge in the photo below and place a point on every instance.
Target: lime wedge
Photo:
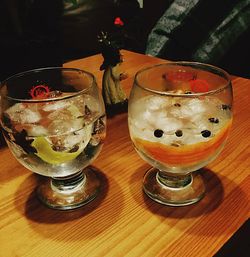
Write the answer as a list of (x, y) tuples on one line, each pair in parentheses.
[(47, 154)]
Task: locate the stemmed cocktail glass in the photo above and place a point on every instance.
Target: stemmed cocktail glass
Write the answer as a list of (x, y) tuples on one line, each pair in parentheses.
[(54, 122), (179, 118)]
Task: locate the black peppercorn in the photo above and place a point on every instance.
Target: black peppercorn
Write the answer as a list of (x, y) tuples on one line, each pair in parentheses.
[(178, 133), (158, 133), (206, 133), (213, 120)]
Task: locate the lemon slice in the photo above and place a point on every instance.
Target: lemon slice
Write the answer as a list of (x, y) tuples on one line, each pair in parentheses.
[(47, 154)]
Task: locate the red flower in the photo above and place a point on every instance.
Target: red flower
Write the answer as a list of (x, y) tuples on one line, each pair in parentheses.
[(118, 21), (199, 85), (39, 92)]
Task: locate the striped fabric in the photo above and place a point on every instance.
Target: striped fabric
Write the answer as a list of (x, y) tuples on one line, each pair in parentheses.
[(200, 30)]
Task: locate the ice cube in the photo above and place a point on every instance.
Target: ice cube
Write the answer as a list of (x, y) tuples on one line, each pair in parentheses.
[(36, 130), (53, 106), (65, 120), (181, 111), (200, 122), (81, 137), (23, 114), (168, 125), (63, 125), (90, 101), (77, 140), (156, 103), (196, 106)]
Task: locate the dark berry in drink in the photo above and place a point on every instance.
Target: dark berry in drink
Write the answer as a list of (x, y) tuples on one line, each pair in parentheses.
[(214, 120), (158, 133), (206, 133), (178, 133)]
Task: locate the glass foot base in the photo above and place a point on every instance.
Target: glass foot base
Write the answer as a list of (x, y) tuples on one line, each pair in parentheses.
[(173, 194), (70, 192)]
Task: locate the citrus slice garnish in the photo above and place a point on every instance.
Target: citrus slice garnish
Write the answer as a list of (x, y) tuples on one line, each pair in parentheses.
[(47, 154)]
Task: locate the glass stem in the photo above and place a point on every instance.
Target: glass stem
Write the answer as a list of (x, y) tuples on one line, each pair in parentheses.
[(68, 183), (173, 181)]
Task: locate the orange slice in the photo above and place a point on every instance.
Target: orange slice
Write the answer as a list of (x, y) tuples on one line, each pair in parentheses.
[(183, 155)]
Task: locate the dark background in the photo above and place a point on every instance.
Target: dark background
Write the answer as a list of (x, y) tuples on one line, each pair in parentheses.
[(40, 33)]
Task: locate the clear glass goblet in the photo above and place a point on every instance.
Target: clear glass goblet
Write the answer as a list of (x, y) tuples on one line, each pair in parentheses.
[(54, 122), (179, 117)]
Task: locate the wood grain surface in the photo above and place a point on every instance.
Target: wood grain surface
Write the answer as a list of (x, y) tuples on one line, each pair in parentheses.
[(122, 221)]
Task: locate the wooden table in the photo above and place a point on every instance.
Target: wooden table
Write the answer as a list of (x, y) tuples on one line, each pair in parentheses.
[(122, 221)]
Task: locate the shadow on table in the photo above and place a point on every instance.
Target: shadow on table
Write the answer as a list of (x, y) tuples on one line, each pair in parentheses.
[(208, 204), (85, 222), (213, 199)]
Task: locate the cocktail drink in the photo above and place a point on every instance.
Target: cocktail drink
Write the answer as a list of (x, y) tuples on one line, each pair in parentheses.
[(55, 138), (54, 123), (180, 134), (180, 115)]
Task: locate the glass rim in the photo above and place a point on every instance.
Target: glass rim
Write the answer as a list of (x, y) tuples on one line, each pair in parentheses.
[(184, 63), (71, 95)]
